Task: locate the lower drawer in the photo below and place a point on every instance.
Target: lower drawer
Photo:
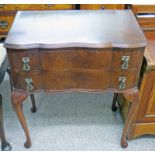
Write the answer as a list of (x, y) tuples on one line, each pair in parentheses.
[(123, 80), (28, 82), (76, 79), (61, 80)]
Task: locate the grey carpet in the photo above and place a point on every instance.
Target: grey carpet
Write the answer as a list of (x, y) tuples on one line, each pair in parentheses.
[(69, 121)]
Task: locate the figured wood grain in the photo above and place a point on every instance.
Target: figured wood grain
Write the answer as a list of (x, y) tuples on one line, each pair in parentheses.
[(142, 8), (57, 29), (17, 7), (101, 6), (75, 68)]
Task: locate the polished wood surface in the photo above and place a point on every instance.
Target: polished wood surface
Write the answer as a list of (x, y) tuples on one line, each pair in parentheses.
[(142, 8), (145, 15), (57, 29), (17, 7), (101, 6), (75, 68), (75, 51), (8, 12)]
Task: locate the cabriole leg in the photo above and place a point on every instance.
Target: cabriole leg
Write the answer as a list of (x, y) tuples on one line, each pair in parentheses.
[(16, 99), (133, 97)]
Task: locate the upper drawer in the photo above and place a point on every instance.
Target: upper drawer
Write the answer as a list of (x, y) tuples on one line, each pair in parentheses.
[(5, 23), (146, 22), (142, 8), (82, 58), (126, 59), (24, 61), (15, 7), (101, 6)]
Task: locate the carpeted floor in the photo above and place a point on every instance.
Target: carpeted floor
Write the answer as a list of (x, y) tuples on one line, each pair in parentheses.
[(69, 121)]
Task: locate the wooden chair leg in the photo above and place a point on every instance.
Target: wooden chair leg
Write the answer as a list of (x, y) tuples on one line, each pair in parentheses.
[(133, 97), (33, 109), (5, 145), (114, 106), (16, 99)]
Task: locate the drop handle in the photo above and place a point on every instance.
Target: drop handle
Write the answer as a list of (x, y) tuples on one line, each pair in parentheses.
[(102, 7), (4, 24), (25, 61), (125, 62), (29, 84), (122, 82)]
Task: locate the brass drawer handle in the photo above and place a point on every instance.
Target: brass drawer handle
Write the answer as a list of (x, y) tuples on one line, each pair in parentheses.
[(2, 5), (125, 62), (4, 24), (102, 7), (49, 5), (122, 82), (29, 84), (26, 67)]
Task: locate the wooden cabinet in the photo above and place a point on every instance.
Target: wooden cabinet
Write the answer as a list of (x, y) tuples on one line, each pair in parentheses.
[(144, 122), (8, 12), (145, 15), (101, 6), (75, 51)]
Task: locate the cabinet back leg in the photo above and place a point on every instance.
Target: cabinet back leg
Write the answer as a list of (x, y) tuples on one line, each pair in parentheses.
[(33, 109)]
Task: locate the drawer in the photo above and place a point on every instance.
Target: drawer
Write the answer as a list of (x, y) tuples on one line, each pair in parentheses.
[(24, 60), (29, 82), (5, 23), (15, 7), (146, 22), (76, 79), (126, 59), (101, 6), (123, 81), (142, 8), (76, 59)]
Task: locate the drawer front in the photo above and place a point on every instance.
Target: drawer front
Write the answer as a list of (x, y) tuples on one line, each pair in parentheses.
[(5, 23), (76, 59), (126, 59), (15, 7), (143, 8), (122, 81), (24, 61), (101, 6), (76, 79), (146, 23), (28, 82)]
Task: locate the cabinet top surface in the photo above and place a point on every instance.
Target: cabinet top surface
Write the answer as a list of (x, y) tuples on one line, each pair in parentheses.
[(75, 28)]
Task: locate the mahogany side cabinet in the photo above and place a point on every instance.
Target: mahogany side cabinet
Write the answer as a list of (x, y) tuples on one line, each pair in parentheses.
[(74, 50)]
